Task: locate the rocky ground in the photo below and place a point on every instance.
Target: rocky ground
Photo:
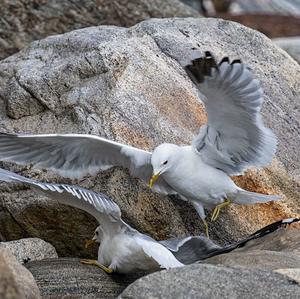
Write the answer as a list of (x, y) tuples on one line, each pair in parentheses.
[(268, 267), (126, 84)]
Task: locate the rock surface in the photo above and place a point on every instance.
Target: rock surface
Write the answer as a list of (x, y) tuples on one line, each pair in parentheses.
[(280, 249), (209, 281), (16, 282), (30, 249), (126, 85), (290, 45), (259, 259), (23, 22), (67, 278), (284, 240), (290, 272)]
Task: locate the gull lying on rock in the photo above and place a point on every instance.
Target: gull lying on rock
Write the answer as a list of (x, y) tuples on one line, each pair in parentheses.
[(122, 249), (233, 139)]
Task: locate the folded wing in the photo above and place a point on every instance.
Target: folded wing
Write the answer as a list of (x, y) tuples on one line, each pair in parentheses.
[(157, 252), (234, 137), (191, 249)]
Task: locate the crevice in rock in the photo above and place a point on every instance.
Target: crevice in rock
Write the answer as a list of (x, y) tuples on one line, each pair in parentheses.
[(16, 221), (27, 90)]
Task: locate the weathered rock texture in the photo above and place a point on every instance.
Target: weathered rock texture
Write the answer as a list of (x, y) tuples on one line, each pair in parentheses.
[(126, 85), (278, 251), (291, 45), (22, 22), (16, 282), (209, 281), (290, 272), (259, 259), (30, 249), (284, 240), (67, 278)]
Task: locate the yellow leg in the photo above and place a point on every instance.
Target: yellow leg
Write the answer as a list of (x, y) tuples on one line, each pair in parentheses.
[(218, 208), (215, 212), (206, 228), (95, 263)]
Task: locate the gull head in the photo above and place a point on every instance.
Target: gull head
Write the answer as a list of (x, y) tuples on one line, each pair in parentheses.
[(96, 238), (163, 158)]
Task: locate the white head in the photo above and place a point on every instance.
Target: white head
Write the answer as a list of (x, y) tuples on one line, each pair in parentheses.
[(163, 158), (98, 234), (97, 238)]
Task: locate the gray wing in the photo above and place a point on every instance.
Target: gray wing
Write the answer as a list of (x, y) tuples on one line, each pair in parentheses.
[(106, 211), (234, 137), (76, 155), (191, 249), (159, 253)]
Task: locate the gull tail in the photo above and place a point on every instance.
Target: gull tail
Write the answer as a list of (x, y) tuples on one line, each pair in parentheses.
[(244, 197)]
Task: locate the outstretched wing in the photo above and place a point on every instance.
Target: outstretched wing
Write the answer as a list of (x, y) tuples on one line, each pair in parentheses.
[(234, 137), (76, 155), (98, 205), (157, 252), (190, 249)]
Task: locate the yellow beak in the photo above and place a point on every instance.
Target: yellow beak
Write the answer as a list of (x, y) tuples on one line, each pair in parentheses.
[(89, 243), (153, 179)]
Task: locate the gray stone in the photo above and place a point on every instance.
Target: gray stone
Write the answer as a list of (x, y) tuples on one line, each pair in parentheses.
[(16, 282), (126, 85), (290, 45), (280, 249), (30, 249), (291, 273), (259, 259), (23, 22), (67, 278), (284, 240), (209, 282)]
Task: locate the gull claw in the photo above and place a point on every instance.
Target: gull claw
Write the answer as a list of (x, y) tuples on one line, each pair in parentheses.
[(218, 208), (96, 264)]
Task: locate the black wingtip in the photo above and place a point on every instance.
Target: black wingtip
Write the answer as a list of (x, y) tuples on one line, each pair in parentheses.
[(224, 59), (201, 67), (236, 61), (208, 54), (227, 60)]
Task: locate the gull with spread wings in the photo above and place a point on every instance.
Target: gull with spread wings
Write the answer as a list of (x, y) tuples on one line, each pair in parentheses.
[(233, 139)]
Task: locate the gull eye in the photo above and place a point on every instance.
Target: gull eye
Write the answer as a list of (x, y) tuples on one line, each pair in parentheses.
[(165, 162), (97, 233)]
